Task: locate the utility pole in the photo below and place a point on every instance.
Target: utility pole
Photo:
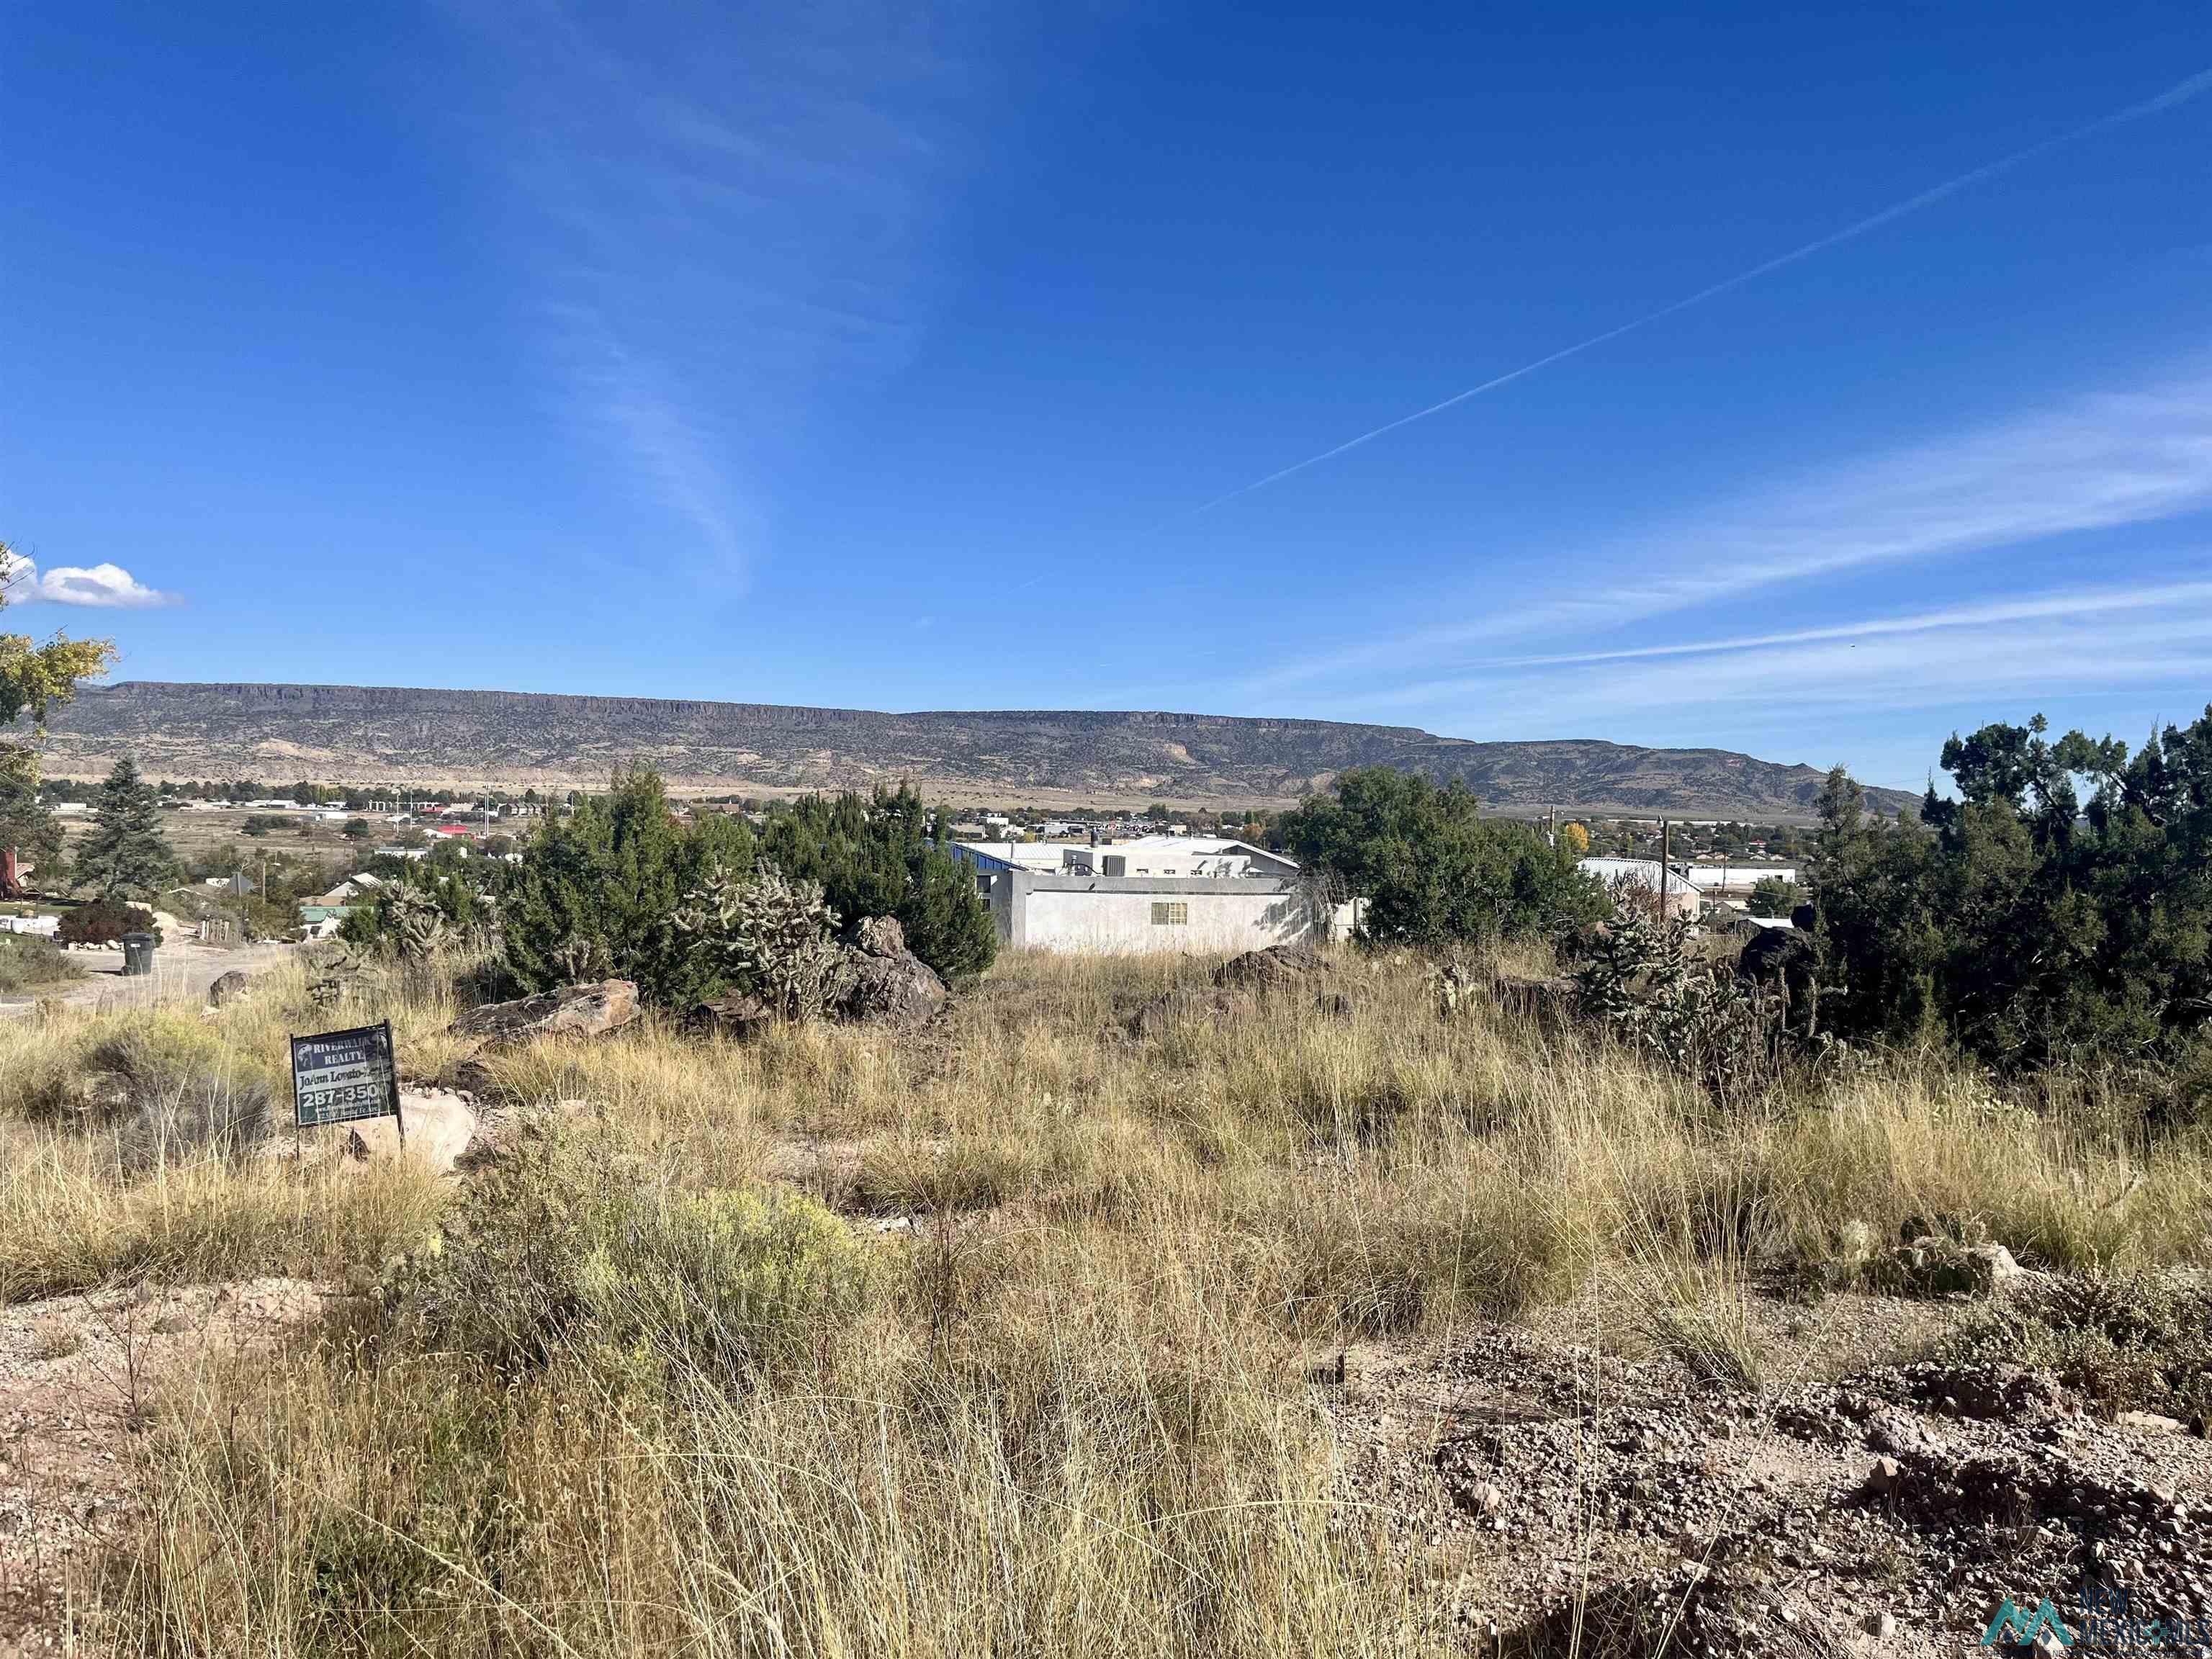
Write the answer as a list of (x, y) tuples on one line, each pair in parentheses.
[(1664, 842)]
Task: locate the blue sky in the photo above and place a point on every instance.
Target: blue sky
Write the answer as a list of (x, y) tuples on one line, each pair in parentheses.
[(901, 357)]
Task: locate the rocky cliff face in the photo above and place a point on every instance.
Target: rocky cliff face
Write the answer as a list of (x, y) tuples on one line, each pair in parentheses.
[(364, 733)]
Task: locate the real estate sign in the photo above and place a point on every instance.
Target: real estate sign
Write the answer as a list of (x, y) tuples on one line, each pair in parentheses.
[(341, 1077)]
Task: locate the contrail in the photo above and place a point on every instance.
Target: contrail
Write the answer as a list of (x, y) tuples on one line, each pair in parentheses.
[(2180, 92)]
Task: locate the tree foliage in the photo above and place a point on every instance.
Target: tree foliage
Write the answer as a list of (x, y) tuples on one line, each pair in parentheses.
[(2061, 904), (104, 921), (27, 823), (597, 892), (1771, 895), (1428, 869), (874, 855), (34, 680), (126, 855)]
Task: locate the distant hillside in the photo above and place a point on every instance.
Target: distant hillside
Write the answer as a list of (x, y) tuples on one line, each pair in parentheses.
[(364, 734)]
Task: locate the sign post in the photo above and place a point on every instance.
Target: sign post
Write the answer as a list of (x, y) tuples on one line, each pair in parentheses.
[(343, 1077)]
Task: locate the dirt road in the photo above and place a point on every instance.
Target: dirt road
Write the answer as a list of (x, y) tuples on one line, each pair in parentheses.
[(182, 973)]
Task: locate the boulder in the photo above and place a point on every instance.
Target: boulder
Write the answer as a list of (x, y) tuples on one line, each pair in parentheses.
[(891, 990), (736, 1014), (1280, 967), (576, 1010), (438, 1123), (226, 989), (1934, 1264), (1550, 1001), (877, 936)]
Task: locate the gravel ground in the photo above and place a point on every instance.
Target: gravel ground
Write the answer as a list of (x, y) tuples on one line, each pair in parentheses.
[(77, 1378), (1560, 1498)]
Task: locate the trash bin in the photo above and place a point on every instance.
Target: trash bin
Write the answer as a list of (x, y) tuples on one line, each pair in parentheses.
[(137, 953)]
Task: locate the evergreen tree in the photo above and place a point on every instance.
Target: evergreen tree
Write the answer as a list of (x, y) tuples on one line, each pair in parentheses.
[(596, 893), (1429, 869), (126, 855), (27, 823), (2027, 923)]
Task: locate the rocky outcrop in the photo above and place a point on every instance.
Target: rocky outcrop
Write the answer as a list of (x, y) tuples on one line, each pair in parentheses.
[(737, 1015), (887, 984), (1278, 967), (1554, 1001), (588, 1010)]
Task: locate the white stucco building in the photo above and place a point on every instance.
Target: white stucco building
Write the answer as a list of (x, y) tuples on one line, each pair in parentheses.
[(1184, 893)]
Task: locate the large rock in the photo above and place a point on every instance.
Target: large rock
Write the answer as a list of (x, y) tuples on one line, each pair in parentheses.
[(887, 983), (738, 1014), (575, 1010), (439, 1124), (877, 936), (1278, 967), (1933, 1265)]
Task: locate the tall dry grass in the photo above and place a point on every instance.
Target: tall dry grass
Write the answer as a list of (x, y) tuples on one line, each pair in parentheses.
[(1069, 1413)]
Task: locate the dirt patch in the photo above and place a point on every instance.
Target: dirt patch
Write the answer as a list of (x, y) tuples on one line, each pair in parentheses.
[(79, 1375), (1562, 1499)]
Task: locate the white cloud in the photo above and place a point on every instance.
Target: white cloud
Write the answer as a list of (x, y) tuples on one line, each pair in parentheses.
[(2099, 463), (2060, 643), (102, 587)]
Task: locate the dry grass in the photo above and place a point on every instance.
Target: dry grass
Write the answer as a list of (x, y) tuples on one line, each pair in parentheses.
[(1067, 1414)]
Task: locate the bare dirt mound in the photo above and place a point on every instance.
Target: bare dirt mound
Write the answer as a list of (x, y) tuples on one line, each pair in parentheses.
[(78, 1379), (1562, 1501)]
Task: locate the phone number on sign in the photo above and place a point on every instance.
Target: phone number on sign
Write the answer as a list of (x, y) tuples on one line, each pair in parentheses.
[(344, 1094)]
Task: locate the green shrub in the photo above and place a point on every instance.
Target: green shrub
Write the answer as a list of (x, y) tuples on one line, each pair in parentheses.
[(2058, 909), (167, 1090), (1771, 895), (1429, 869), (596, 892), (104, 921), (564, 1247), (28, 963)]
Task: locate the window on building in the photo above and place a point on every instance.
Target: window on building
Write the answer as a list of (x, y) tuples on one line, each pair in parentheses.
[(1175, 914)]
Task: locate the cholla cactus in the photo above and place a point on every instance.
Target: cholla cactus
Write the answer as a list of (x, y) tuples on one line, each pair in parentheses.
[(418, 926), (1642, 980), (581, 958), (770, 936), (1453, 984)]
